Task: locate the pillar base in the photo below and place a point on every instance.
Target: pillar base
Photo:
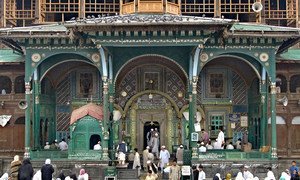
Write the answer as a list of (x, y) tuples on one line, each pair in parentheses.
[(274, 153), (194, 152), (105, 154), (27, 153)]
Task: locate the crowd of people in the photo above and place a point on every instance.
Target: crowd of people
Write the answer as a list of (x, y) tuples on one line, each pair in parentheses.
[(219, 143), (289, 174), (24, 171), (63, 145)]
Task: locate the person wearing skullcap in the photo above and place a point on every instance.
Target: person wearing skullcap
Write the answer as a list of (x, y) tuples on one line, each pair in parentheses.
[(47, 170), (145, 158), (164, 157)]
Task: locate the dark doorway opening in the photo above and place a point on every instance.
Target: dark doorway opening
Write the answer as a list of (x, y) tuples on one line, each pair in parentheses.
[(147, 131), (94, 140)]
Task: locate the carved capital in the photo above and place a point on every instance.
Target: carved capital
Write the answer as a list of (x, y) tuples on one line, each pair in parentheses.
[(111, 99), (27, 87), (105, 87), (194, 85), (37, 100), (263, 99), (273, 88)]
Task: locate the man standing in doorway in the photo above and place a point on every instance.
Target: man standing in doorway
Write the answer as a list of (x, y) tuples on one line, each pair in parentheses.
[(154, 145)]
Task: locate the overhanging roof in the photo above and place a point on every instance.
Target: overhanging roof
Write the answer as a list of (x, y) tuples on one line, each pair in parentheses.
[(9, 56), (291, 54)]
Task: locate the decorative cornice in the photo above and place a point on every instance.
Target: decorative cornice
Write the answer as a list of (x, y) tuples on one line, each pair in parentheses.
[(146, 20)]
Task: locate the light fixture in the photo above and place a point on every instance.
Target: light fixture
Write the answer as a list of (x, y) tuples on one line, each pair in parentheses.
[(124, 93), (150, 96), (180, 94), (2, 104)]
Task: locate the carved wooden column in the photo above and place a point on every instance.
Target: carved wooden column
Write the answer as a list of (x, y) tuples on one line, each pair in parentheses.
[(27, 121), (105, 118), (273, 121)]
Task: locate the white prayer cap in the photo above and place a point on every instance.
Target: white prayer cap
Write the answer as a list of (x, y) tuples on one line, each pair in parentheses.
[(148, 162), (147, 147), (163, 147), (48, 161), (247, 167), (55, 140), (47, 143), (152, 129), (202, 143), (181, 146)]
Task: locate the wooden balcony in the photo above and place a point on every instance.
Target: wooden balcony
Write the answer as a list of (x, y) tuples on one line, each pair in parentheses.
[(150, 7)]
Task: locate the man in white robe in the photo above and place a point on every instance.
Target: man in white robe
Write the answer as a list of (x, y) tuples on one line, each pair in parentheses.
[(247, 174), (136, 161), (220, 140), (164, 157), (145, 157), (154, 144)]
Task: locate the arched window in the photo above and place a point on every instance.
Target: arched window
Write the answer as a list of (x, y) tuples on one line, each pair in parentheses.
[(20, 120), (295, 84), (5, 85), (20, 84)]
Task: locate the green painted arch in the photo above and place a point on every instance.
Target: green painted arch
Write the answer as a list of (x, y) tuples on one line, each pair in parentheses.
[(55, 59), (245, 58), (43, 74), (152, 55), (133, 98)]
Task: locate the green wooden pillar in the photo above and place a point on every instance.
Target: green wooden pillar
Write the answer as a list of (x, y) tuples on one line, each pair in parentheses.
[(27, 120), (192, 110), (273, 105), (111, 105), (36, 111), (105, 119), (264, 109), (111, 121), (273, 121), (105, 104)]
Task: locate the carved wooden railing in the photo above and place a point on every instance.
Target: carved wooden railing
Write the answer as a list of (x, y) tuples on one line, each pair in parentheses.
[(149, 7)]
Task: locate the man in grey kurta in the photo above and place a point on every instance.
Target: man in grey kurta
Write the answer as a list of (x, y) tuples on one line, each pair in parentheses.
[(179, 155)]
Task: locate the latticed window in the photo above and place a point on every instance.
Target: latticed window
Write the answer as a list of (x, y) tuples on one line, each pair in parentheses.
[(216, 122)]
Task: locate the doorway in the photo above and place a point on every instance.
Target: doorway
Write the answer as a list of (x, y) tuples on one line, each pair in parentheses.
[(147, 120), (94, 140), (150, 128)]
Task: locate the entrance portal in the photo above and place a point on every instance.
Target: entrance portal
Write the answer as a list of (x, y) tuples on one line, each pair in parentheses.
[(150, 128), (148, 119)]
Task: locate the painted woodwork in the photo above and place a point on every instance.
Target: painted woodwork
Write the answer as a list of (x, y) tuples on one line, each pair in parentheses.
[(81, 143)]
